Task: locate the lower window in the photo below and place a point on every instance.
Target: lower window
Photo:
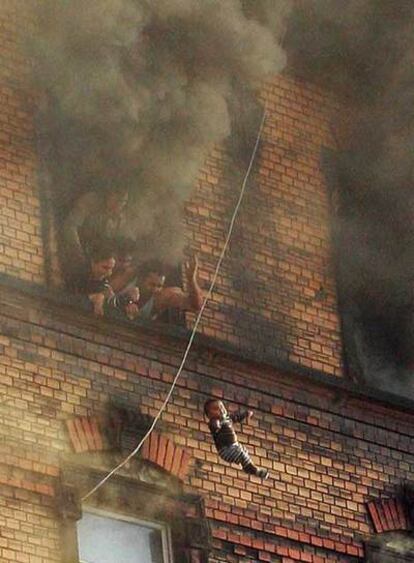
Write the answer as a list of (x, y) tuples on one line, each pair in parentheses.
[(105, 537), (390, 547), (131, 520)]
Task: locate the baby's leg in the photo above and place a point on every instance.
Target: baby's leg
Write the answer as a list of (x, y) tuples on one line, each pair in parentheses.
[(249, 467)]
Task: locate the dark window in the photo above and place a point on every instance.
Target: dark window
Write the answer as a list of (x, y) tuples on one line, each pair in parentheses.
[(376, 308)]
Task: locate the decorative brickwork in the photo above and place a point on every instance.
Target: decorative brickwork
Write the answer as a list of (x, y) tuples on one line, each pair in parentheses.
[(388, 515), (164, 453), (86, 434), (89, 434)]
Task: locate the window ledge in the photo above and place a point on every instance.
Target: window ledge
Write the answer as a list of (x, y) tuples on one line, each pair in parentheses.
[(301, 374)]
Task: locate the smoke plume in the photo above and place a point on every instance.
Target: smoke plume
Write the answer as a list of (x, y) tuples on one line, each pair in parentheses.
[(137, 92), (364, 49)]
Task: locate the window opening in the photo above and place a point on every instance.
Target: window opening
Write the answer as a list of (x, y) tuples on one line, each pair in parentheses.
[(390, 547), (105, 537)]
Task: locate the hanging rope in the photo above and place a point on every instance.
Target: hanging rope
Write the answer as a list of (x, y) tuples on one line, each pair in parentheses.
[(197, 321)]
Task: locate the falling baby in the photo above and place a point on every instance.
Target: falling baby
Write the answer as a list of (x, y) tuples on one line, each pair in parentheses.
[(228, 448)]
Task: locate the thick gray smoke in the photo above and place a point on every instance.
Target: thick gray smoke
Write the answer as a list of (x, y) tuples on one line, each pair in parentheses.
[(365, 50), (138, 92)]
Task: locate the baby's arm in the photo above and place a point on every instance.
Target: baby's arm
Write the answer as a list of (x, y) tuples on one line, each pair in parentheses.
[(241, 416)]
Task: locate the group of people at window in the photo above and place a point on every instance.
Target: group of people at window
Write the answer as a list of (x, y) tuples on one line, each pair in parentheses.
[(102, 267)]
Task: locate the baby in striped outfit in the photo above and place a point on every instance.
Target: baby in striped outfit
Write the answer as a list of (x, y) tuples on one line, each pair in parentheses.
[(225, 438)]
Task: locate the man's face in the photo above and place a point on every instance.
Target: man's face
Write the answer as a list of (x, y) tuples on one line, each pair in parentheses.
[(124, 262), (216, 409), (153, 283), (116, 202), (102, 268)]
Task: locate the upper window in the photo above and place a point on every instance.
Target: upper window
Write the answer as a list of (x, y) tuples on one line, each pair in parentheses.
[(105, 537), (107, 268)]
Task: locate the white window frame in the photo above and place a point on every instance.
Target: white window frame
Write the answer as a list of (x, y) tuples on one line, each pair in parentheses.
[(161, 527)]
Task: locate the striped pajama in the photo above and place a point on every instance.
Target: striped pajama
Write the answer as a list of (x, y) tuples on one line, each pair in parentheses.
[(235, 453)]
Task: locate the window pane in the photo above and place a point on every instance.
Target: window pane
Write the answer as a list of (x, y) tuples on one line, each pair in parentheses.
[(103, 539)]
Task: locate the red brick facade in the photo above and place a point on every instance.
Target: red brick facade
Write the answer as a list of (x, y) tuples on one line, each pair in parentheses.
[(326, 458), (329, 450), (282, 243)]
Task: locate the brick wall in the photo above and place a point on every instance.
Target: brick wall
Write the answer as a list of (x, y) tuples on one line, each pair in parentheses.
[(21, 252), (278, 276), (29, 530), (326, 458)]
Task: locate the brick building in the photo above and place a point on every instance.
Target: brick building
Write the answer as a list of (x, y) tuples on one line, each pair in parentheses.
[(76, 392)]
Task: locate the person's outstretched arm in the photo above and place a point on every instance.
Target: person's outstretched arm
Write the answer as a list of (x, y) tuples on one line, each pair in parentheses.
[(176, 298), (195, 295)]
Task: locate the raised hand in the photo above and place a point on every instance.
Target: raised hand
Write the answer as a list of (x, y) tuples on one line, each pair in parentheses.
[(191, 268)]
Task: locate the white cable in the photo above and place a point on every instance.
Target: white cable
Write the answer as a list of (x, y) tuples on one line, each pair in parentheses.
[(197, 322)]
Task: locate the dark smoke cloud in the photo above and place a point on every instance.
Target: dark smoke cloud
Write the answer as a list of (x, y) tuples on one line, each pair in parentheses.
[(139, 91), (364, 49)]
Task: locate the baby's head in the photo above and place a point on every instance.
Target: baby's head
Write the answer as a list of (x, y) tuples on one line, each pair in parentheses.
[(213, 408)]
